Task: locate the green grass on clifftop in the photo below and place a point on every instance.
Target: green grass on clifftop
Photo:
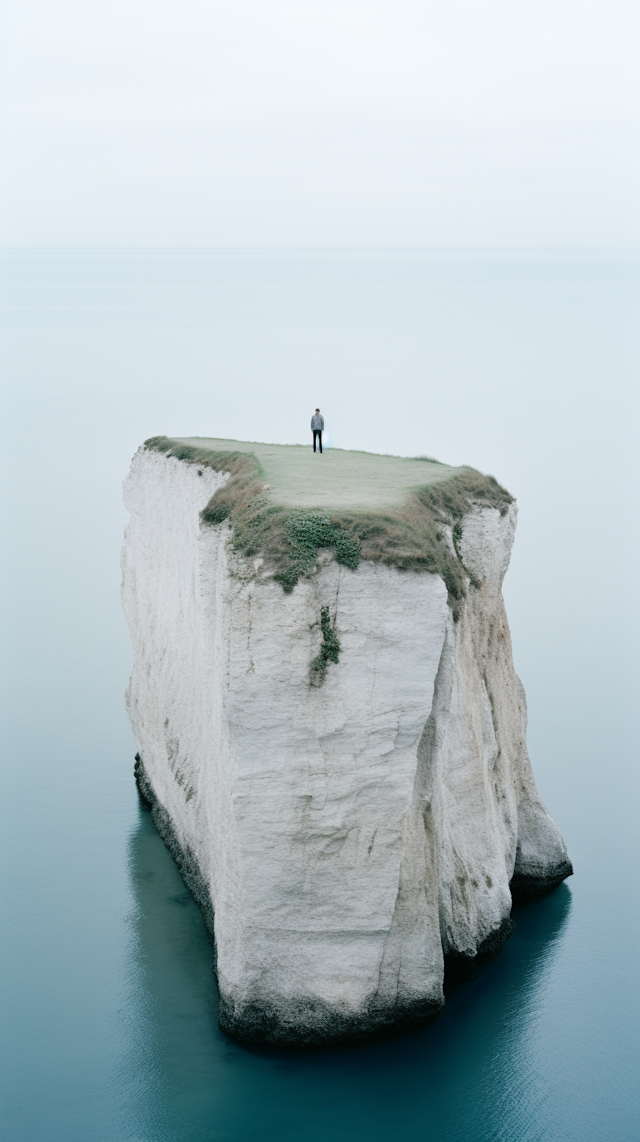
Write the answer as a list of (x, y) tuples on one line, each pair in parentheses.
[(285, 503)]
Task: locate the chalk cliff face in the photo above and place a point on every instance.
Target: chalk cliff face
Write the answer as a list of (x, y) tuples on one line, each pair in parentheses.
[(344, 840)]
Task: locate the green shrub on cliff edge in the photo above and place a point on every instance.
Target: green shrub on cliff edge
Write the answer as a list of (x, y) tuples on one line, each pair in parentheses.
[(307, 532), (411, 537)]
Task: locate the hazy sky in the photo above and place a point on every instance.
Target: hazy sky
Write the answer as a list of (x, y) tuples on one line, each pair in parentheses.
[(441, 123)]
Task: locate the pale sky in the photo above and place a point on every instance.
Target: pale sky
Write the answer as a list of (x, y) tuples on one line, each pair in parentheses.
[(320, 123)]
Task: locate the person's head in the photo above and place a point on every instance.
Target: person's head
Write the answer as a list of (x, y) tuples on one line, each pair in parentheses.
[(317, 410)]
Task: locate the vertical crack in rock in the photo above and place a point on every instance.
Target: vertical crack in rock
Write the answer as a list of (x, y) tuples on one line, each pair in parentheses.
[(410, 975)]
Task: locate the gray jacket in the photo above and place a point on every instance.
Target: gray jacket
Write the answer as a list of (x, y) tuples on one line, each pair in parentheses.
[(317, 423)]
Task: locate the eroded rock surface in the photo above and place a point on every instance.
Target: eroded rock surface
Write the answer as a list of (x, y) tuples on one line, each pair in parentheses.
[(345, 839)]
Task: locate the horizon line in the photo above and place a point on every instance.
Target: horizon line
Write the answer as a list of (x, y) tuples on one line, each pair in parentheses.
[(323, 250)]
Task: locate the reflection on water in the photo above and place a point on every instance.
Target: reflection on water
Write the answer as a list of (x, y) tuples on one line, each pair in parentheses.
[(185, 1080)]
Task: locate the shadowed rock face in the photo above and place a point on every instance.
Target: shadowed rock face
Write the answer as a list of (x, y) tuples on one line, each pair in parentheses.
[(344, 840)]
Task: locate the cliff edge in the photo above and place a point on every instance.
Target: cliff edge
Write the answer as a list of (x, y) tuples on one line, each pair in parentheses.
[(330, 730)]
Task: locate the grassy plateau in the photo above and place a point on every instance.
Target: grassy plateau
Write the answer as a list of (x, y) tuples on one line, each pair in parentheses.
[(284, 502)]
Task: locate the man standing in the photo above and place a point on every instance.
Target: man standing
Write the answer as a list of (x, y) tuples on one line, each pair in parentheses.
[(317, 427)]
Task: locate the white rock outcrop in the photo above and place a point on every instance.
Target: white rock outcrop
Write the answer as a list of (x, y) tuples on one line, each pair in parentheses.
[(343, 840)]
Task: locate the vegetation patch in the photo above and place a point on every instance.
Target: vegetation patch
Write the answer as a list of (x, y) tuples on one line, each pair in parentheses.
[(423, 534), (456, 538), (307, 532), (329, 650)]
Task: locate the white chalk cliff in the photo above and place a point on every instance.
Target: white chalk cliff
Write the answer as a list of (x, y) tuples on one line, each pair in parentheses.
[(346, 839)]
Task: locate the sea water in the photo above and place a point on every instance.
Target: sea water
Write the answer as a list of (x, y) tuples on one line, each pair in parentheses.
[(524, 366)]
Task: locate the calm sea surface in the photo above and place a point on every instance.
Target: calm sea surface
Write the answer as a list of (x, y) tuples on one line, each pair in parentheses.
[(525, 367)]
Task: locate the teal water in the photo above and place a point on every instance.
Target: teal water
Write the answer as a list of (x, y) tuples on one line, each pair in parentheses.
[(523, 366)]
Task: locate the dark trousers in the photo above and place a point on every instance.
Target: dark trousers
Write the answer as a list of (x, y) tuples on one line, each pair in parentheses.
[(317, 432)]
